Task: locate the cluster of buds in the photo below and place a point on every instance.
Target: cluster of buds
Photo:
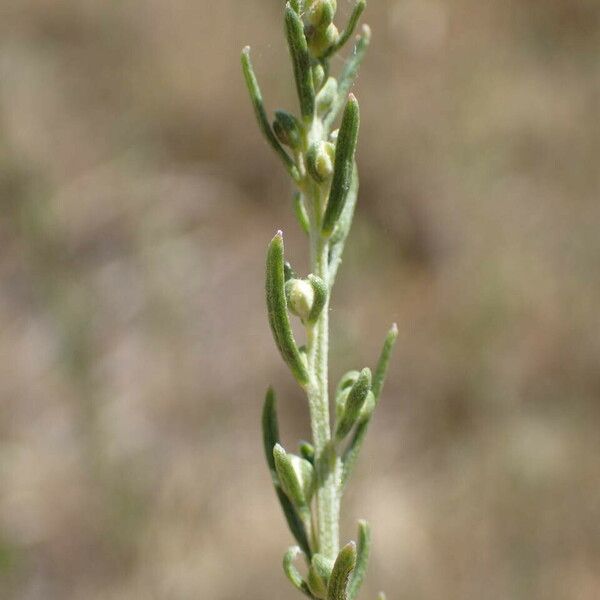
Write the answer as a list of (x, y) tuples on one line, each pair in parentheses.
[(321, 162)]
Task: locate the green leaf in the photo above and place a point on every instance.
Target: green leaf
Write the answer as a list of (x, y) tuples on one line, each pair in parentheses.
[(298, 47), (344, 164), (354, 403), (362, 561), (346, 79), (278, 313), (270, 431), (292, 572), (321, 292), (270, 427), (261, 115), (301, 214), (342, 229), (384, 361), (352, 451), (342, 569), (357, 11)]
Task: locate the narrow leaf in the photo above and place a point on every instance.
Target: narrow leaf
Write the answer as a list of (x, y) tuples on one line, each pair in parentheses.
[(357, 11), (353, 449), (277, 311), (261, 115), (320, 297), (294, 28), (301, 214), (292, 572), (342, 569), (384, 361), (354, 403), (344, 164), (348, 75), (295, 523), (362, 561), (270, 427), (270, 430), (339, 236)]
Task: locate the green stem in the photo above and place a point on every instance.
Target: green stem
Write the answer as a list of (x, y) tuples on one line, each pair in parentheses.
[(327, 468)]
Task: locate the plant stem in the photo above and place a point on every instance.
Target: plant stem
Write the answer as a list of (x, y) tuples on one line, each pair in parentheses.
[(328, 501)]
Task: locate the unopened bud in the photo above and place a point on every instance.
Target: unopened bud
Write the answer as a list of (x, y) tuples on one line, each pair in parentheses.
[(318, 76), (296, 476), (320, 160), (320, 39), (321, 12), (300, 297)]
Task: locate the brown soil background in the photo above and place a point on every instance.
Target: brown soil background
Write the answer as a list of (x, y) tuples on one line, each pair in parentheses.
[(137, 200)]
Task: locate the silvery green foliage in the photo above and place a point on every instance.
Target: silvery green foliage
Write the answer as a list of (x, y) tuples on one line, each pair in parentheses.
[(321, 163)]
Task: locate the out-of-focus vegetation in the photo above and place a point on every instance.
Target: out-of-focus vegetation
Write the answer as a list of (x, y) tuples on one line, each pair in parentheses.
[(137, 200)]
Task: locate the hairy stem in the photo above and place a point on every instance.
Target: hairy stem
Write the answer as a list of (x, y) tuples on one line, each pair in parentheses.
[(328, 505)]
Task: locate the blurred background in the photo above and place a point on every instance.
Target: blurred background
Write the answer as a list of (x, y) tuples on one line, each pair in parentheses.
[(137, 198)]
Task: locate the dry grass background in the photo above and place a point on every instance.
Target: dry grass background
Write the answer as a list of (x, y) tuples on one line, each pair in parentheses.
[(137, 198)]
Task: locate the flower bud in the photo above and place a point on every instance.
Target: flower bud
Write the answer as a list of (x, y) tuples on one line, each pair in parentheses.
[(287, 129), (319, 161), (296, 476), (321, 12), (300, 297), (320, 39), (318, 75)]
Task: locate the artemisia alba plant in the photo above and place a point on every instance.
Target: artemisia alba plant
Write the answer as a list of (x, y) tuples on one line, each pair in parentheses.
[(320, 159)]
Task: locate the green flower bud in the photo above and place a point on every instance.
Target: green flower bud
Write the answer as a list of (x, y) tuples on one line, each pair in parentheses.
[(300, 296), (321, 39), (287, 129), (296, 476), (318, 75), (319, 161), (307, 450), (321, 12)]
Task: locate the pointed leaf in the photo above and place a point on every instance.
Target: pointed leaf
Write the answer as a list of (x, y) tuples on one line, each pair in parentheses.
[(344, 164), (352, 451), (261, 115), (342, 569), (346, 79), (357, 11), (277, 311), (270, 439), (321, 293), (362, 561), (294, 28), (292, 572)]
